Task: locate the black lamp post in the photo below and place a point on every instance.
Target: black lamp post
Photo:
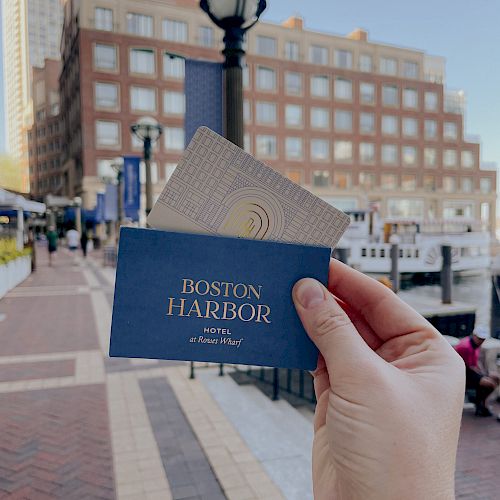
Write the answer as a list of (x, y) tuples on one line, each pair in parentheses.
[(117, 166), (148, 130), (235, 17)]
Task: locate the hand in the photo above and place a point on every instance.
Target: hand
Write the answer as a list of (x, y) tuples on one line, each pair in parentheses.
[(389, 391)]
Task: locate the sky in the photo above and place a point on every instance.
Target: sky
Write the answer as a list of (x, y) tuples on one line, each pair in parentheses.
[(2, 114), (465, 32)]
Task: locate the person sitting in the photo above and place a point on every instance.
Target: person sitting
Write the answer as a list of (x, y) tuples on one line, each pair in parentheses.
[(476, 377)]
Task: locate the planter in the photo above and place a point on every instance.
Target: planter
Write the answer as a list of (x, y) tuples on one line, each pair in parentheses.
[(13, 273)]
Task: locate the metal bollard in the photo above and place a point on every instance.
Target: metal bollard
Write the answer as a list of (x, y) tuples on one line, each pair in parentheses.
[(446, 275), (276, 384), (394, 267), (221, 369), (191, 370)]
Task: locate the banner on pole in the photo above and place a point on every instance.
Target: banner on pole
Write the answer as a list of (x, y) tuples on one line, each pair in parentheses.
[(111, 203), (132, 187), (99, 208)]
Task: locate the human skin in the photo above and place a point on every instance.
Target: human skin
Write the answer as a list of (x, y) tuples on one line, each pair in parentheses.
[(389, 392)]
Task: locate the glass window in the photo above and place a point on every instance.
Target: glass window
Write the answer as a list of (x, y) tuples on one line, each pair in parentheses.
[(388, 66), (343, 59), (265, 78), (343, 120), (429, 182), (173, 67), (107, 133), (136, 142), (405, 207), (139, 24), (367, 93), (410, 127), (293, 115), (389, 181), (294, 176), (169, 170), (449, 184), (366, 152), (410, 98), (175, 31), (174, 102), (410, 69), (320, 118), (409, 156), (293, 83), (105, 56), (467, 184), (343, 89), (390, 125), (247, 143), (450, 131), (103, 19), (342, 180), (366, 123), (449, 158), (318, 55), (365, 63), (390, 95), (265, 112), (430, 129), (468, 159), (485, 185), (430, 157), (206, 36), (485, 213), (246, 77), (293, 148), (408, 182), (266, 146), (142, 99), (321, 178), (174, 138), (320, 149), (319, 86), (389, 154), (106, 95), (292, 51), (142, 61), (367, 180), (247, 111), (266, 46), (342, 151), (431, 101)]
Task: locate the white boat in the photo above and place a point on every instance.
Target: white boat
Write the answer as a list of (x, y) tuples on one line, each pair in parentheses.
[(369, 240)]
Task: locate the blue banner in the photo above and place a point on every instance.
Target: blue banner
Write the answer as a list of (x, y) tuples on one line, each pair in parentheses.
[(111, 203), (131, 187), (99, 208), (203, 90)]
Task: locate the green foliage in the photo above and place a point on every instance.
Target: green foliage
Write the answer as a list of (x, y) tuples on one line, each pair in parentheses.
[(9, 251)]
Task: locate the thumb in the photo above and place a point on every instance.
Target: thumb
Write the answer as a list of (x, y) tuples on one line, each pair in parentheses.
[(330, 329)]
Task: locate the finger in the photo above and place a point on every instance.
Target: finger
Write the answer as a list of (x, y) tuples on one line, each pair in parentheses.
[(321, 390), (383, 311)]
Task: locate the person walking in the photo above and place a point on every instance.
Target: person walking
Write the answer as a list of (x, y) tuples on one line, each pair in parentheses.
[(84, 241), (73, 239), (52, 242)]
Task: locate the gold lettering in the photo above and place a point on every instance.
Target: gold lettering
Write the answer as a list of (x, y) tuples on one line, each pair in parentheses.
[(208, 311), (185, 284), (231, 306), (216, 287), (197, 287), (195, 307), (226, 284), (235, 290), (263, 316), (171, 305), (240, 312), (252, 289)]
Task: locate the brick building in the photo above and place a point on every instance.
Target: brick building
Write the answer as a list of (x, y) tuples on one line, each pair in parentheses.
[(356, 122)]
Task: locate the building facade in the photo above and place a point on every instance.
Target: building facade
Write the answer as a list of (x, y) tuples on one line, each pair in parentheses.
[(358, 123)]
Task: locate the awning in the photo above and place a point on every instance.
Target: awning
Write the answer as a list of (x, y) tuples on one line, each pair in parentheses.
[(11, 200)]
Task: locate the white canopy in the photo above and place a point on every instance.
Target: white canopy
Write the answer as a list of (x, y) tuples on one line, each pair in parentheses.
[(13, 201)]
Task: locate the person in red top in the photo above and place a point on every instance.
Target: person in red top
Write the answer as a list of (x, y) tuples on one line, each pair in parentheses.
[(476, 378)]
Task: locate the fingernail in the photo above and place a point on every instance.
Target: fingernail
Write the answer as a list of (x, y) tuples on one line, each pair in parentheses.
[(309, 293)]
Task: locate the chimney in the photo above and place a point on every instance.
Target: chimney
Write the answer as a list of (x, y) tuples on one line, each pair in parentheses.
[(294, 23), (358, 34)]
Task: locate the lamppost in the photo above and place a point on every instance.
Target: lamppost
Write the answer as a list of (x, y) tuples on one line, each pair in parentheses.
[(235, 17), (148, 130), (117, 166), (77, 201)]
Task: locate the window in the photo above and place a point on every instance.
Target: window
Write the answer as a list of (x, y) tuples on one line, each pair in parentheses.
[(320, 149), (174, 103), (389, 154), (266, 46), (449, 184), (430, 129), (410, 69), (408, 182), (390, 95), (206, 36), (136, 142), (175, 31), (367, 93), (247, 111), (367, 180), (174, 138), (142, 61), (450, 131), (342, 180), (388, 181), (266, 146), (366, 123), (139, 24), (265, 78), (449, 158), (409, 156), (265, 112), (106, 95), (410, 98), (405, 208), (343, 59), (142, 99), (247, 143), (366, 152), (410, 127), (293, 148), (105, 56), (173, 67), (142, 172), (343, 120), (318, 55), (388, 66), (485, 185), (319, 86), (103, 19), (293, 115), (294, 176), (467, 184), (429, 182), (107, 133), (320, 118), (342, 151), (321, 178), (431, 101), (293, 83), (169, 170), (430, 157), (365, 63), (468, 159), (292, 51), (390, 125), (343, 89)]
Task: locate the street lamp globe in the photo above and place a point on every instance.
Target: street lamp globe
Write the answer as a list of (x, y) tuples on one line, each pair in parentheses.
[(233, 13), (117, 164), (147, 128)]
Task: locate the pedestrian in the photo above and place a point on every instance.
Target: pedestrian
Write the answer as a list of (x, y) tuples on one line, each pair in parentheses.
[(73, 239), (84, 241), (52, 242), (476, 376)]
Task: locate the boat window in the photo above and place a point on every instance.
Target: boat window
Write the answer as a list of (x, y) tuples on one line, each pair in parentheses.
[(408, 253), (417, 253), (382, 253), (373, 252), (363, 252), (400, 253)]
